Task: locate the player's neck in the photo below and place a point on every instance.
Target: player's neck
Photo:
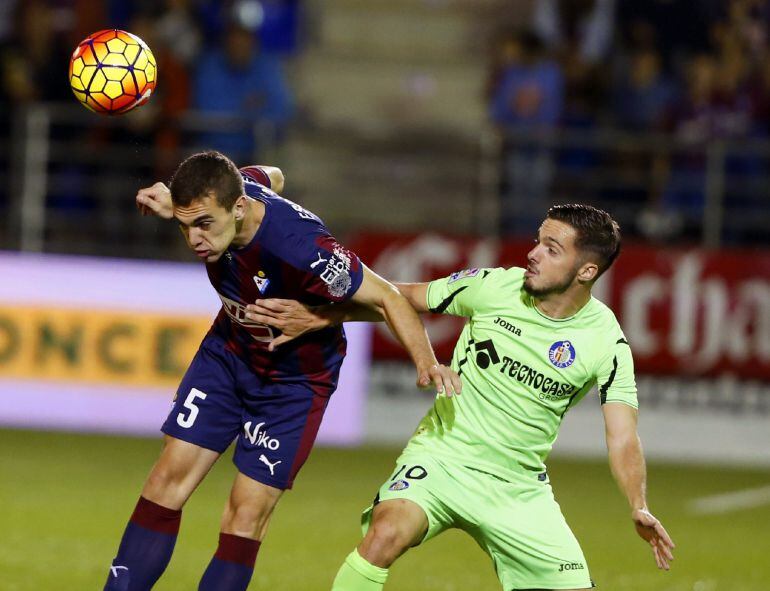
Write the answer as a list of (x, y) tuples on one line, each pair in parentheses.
[(563, 305), (247, 229)]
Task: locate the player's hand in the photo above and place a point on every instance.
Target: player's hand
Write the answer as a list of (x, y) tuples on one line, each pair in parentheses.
[(155, 200), (289, 316), (444, 378), (651, 530)]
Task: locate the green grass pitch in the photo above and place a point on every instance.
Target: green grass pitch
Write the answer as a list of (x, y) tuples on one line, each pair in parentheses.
[(64, 500)]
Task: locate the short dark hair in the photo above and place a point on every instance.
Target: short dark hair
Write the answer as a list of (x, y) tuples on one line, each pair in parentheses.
[(597, 232), (204, 173)]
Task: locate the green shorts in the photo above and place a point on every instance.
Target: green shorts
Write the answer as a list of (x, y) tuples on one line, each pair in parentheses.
[(517, 523)]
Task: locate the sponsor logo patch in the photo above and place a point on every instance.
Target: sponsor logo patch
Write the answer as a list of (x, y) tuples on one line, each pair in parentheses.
[(399, 485), (463, 274), (561, 354), (336, 272)]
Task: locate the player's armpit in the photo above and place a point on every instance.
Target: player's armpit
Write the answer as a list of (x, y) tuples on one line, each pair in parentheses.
[(405, 325), (417, 294)]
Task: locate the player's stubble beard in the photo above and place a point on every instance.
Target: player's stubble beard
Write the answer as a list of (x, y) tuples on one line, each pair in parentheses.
[(555, 289)]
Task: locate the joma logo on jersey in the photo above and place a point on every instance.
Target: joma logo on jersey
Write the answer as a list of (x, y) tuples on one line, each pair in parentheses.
[(550, 389), (571, 566), (260, 438), (508, 326)]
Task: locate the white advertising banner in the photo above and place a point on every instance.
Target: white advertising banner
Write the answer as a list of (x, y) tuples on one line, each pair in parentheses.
[(100, 345)]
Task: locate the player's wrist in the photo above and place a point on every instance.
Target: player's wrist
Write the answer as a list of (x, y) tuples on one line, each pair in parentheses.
[(329, 315)]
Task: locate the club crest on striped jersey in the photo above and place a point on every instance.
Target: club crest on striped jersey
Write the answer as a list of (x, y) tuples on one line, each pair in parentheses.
[(463, 274), (562, 354), (261, 280)]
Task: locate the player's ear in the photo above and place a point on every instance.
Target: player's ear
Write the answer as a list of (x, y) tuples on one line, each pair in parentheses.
[(239, 208), (588, 272)]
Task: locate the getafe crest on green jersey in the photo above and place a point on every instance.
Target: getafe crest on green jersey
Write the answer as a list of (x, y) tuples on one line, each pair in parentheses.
[(521, 371)]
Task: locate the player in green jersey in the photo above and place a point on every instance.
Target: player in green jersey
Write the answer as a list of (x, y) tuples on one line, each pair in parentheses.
[(536, 342)]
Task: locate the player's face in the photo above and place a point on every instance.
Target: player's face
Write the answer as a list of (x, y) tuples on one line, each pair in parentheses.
[(208, 227), (552, 265)]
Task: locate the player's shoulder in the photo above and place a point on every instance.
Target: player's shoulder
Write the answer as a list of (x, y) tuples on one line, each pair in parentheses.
[(483, 275), (283, 212), (603, 321)]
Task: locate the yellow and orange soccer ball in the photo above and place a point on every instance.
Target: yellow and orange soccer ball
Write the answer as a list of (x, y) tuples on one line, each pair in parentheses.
[(112, 72)]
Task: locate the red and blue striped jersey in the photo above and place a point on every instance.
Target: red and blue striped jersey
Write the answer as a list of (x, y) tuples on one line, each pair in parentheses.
[(292, 256)]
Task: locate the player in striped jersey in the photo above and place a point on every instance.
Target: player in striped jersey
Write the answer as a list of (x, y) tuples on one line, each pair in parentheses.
[(255, 244)]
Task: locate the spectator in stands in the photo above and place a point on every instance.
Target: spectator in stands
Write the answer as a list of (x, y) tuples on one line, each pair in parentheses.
[(178, 31), (240, 80), (679, 28), (583, 28), (526, 103), (643, 94), (715, 106)]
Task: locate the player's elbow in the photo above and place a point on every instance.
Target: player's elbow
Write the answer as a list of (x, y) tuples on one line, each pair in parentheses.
[(277, 179), (623, 442)]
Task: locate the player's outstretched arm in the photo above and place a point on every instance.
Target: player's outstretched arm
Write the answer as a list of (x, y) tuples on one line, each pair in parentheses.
[(628, 468), (155, 200), (378, 294), (293, 318)]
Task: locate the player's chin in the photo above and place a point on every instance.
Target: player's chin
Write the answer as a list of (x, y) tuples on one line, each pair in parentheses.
[(530, 287), (208, 256)]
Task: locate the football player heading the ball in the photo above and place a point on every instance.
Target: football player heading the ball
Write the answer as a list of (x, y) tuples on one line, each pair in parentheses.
[(255, 244), (536, 343)]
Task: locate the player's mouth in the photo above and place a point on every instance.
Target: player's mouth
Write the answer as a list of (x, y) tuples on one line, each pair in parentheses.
[(530, 272), (203, 254)]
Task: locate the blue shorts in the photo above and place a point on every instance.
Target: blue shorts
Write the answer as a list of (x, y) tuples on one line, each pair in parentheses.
[(220, 399)]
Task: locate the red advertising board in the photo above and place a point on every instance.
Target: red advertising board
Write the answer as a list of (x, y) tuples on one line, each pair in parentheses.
[(685, 312)]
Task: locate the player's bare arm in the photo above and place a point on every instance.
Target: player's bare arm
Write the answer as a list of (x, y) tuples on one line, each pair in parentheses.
[(628, 468), (293, 318), (378, 294), (156, 200), (376, 300)]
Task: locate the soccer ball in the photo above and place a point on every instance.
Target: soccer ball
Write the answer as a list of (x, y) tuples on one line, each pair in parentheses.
[(112, 72)]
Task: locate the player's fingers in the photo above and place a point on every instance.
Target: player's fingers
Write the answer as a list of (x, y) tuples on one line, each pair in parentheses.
[(664, 548), (437, 379), (663, 534), (278, 341), (276, 304), (658, 559), (447, 382), (264, 319), (259, 308), (456, 382)]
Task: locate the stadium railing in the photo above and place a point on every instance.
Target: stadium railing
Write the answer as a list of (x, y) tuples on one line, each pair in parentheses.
[(68, 170), (657, 185)]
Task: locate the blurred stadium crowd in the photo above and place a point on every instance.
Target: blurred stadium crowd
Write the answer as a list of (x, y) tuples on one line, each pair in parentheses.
[(658, 107), (698, 71)]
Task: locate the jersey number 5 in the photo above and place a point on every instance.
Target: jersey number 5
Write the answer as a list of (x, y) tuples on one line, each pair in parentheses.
[(189, 404)]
